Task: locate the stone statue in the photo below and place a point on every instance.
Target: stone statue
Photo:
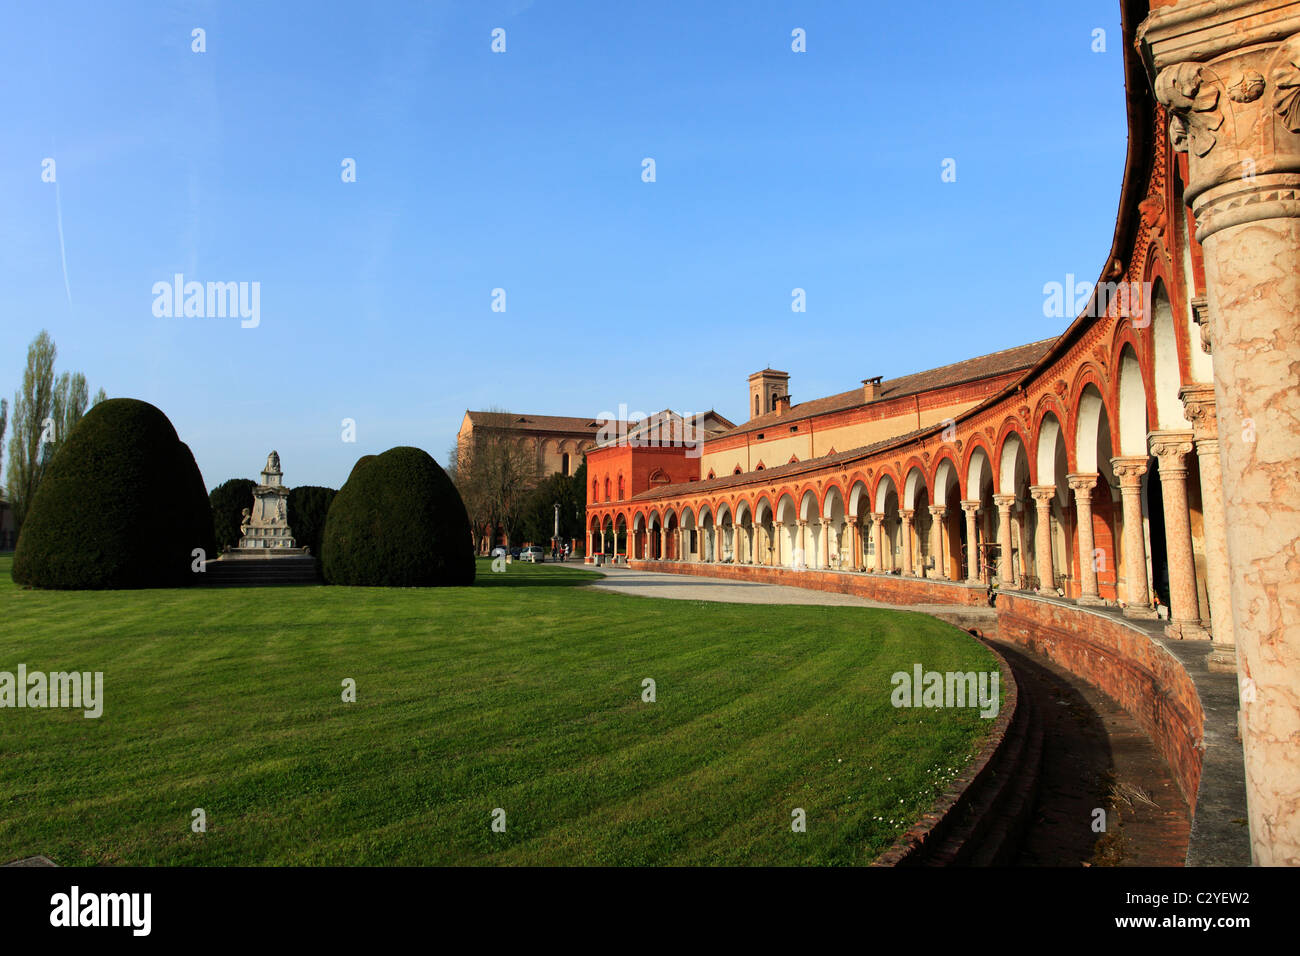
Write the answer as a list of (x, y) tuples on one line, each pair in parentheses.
[(266, 525)]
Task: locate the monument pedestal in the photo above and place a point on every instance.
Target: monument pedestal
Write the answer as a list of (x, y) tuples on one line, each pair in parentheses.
[(265, 528)]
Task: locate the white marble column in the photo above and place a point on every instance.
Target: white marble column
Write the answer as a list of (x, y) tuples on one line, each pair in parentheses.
[(972, 509), (878, 537), (1228, 74), (1199, 402), (937, 513), (1082, 484), (1171, 450), (1006, 567), (1043, 495), (1129, 470), (906, 534)]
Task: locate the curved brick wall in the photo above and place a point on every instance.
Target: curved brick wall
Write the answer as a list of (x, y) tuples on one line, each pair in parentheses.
[(1126, 664)]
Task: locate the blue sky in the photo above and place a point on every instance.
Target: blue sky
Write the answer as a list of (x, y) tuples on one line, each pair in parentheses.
[(522, 171)]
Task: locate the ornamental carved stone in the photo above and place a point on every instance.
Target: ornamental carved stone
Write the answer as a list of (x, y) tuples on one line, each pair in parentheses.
[(1194, 117), (1154, 216), (1129, 470), (1200, 409), (1083, 482), (1286, 84), (1171, 448), (1248, 88)]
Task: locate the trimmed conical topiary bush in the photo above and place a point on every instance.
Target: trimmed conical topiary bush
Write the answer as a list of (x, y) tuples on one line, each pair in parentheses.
[(122, 505), (398, 521)]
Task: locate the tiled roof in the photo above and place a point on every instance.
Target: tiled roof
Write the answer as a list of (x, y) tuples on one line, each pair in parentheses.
[(535, 423), (668, 427), (777, 473), (969, 370)]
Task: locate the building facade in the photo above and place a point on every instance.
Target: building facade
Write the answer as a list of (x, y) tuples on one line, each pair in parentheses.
[(558, 441), (1145, 460)]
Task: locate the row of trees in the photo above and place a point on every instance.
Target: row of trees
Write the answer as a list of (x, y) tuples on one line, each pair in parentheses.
[(501, 482), (397, 521), (46, 408)]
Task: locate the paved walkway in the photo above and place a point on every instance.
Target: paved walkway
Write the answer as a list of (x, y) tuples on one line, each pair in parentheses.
[(690, 587)]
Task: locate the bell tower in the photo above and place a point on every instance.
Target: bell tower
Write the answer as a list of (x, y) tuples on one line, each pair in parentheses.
[(765, 388)]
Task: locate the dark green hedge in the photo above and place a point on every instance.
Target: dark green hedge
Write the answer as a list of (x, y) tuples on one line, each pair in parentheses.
[(122, 505), (398, 521), (309, 506), (228, 501)]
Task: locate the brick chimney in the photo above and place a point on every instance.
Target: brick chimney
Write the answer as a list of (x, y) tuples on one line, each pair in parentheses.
[(871, 388), (782, 405)]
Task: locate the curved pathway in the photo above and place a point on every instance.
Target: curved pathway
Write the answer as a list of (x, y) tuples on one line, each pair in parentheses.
[(1095, 754)]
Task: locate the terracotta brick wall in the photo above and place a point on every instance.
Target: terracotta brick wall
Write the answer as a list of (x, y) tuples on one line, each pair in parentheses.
[(1123, 662)]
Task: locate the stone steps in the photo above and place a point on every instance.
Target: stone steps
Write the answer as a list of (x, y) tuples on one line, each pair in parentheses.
[(998, 808), (259, 572)]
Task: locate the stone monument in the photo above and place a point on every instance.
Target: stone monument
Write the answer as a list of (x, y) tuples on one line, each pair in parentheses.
[(267, 525)]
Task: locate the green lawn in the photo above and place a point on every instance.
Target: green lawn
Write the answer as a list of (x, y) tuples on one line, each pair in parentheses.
[(521, 693)]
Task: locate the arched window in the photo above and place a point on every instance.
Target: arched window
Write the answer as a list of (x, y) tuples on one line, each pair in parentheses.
[(564, 465), (737, 471), (607, 489), (711, 475), (760, 467), (595, 492), (756, 405), (620, 487)]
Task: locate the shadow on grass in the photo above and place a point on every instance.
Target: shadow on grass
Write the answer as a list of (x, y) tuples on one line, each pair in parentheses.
[(519, 575)]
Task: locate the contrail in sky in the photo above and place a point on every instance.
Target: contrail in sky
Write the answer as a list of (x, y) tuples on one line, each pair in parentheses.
[(63, 254)]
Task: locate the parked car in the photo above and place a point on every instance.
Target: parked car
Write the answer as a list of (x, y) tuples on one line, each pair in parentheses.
[(534, 554), (515, 552)]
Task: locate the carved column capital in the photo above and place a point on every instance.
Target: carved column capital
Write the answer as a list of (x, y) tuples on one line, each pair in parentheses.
[(938, 511), (1043, 494), (1172, 448), (1199, 406), (1082, 483), (1228, 74), (1004, 502), (971, 508), (1129, 470), (906, 514)]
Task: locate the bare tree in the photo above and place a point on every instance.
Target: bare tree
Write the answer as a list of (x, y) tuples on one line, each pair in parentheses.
[(495, 469)]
